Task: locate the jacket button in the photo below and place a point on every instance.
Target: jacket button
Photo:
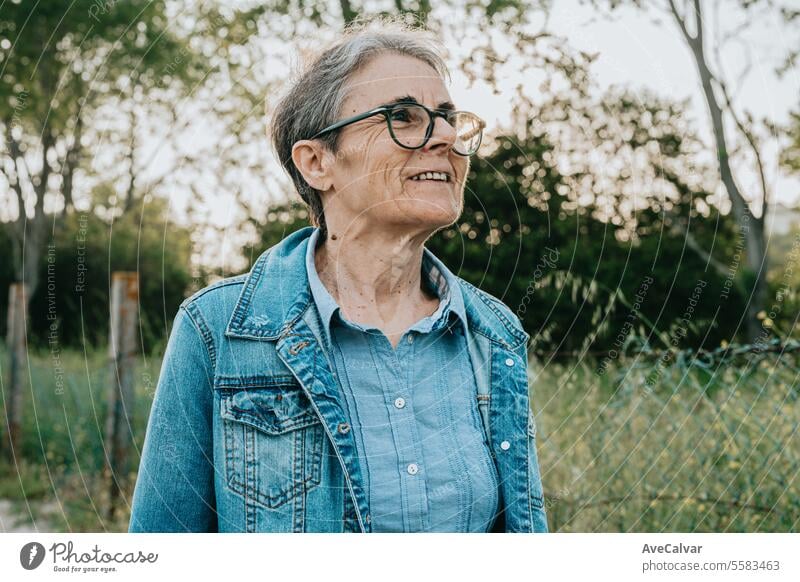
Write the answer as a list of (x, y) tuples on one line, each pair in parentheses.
[(505, 445), (344, 428), (509, 362)]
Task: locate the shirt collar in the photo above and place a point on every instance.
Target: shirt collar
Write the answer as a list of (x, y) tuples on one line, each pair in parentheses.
[(439, 279)]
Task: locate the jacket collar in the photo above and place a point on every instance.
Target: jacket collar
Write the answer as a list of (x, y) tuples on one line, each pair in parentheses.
[(276, 293)]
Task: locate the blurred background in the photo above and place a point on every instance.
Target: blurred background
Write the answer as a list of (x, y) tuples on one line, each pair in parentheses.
[(636, 202)]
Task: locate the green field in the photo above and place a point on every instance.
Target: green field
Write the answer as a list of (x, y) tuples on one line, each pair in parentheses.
[(642, 447)]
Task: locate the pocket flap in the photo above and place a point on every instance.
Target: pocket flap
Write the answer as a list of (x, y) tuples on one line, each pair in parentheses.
[(270, 407)]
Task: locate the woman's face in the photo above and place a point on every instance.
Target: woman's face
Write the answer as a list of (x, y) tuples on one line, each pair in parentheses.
[(371, 176)]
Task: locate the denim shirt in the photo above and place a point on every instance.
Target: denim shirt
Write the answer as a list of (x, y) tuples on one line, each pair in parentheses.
[(413, 411), (248, 430)]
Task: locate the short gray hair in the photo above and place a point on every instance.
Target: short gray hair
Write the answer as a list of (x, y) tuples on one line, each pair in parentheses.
[(314, 100)]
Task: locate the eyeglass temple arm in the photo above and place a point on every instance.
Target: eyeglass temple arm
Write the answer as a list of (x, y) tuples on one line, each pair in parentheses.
[(476, 131), (349, 120)]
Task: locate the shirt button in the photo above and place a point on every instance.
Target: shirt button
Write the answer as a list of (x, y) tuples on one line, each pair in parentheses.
[(344, 427), (505, 445), (509, 362), (399, 402), (412, 469), (411, 338)]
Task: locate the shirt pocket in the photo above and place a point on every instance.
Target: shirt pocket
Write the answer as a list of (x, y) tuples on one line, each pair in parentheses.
[(272, 439)]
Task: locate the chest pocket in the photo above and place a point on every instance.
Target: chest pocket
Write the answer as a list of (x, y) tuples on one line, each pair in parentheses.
[(272, 439)]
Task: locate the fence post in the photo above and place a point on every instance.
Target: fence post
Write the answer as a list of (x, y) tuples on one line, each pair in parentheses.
[(122, 350), (16, 342)]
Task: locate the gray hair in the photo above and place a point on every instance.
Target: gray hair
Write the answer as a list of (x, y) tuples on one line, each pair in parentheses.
[(314, 100)]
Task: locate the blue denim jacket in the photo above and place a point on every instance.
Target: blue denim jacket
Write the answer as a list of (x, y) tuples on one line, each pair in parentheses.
[(247, 432)]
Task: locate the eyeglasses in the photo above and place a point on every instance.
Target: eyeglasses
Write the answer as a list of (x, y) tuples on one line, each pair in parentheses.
[(411, 125)]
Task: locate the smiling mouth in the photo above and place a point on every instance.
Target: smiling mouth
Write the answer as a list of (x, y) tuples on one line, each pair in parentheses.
[(432, 176)]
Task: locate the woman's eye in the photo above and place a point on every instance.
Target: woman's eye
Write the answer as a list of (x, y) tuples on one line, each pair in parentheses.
[(400, 115)]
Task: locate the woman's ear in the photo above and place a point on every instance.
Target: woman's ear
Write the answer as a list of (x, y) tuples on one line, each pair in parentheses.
[(311, 158)]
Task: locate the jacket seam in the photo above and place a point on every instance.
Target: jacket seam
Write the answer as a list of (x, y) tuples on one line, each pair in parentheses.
[(202, 331), (237, 280)]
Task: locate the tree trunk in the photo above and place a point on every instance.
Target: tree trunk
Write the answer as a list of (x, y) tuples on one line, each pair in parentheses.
[(752, 227), (16, 341)]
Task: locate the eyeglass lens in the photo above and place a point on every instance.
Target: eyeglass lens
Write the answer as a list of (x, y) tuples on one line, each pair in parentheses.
[(409, 125)]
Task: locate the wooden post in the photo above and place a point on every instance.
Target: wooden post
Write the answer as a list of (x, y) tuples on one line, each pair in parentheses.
[(17, 344), (122, 351)]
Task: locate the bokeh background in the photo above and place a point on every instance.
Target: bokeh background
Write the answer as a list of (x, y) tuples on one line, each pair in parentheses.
[(636, 202)]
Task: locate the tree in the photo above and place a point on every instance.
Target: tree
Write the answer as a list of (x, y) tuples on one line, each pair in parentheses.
[(791, 155), (570, 208), (92, 51), (60, 66), (692, 23), (582, 198)]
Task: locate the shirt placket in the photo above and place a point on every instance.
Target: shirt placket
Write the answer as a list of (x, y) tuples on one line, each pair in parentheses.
[(407, 443)]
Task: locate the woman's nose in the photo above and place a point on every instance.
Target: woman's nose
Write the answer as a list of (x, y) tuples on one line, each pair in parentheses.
[(443, 135)]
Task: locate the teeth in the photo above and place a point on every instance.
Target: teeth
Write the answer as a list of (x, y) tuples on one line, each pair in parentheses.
[(440, 176)]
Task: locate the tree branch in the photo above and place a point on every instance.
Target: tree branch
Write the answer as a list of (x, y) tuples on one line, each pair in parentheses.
[(71, 162), (681, 22), (752, 141), (15, 152), (40, 186), (698, 20), (681, 226), (132, 170)]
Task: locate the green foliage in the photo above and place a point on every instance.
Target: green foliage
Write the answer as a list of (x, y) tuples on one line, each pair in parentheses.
[(75, 276), (59, 472), (570, 277), (57, 59), (625, 240), (791, 155)]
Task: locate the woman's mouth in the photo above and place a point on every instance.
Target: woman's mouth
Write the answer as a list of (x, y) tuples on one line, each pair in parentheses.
[(432, 176)]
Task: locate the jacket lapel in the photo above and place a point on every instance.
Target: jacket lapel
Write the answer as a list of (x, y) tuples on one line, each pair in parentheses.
[(300, 348)]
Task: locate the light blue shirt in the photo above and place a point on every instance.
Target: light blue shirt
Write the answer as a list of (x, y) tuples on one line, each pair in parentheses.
[(413, 413)]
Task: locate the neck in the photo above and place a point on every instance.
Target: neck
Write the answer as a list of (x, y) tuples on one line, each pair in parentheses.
[(375, 275)]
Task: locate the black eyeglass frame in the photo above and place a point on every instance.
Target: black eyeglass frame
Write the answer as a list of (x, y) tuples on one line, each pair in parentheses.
[(386, 110)]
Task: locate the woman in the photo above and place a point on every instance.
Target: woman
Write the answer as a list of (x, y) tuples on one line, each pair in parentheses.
[(350, 381)]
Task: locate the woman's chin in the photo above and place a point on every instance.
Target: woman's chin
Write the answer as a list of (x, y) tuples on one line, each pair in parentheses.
[(434, 213), (431, 220)]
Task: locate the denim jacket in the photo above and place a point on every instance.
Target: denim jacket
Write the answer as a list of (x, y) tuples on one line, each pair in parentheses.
[(247, 433)]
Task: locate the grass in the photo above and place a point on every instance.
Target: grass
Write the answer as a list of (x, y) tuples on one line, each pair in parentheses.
[(704, 448), (700, 450), (58, 473)]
